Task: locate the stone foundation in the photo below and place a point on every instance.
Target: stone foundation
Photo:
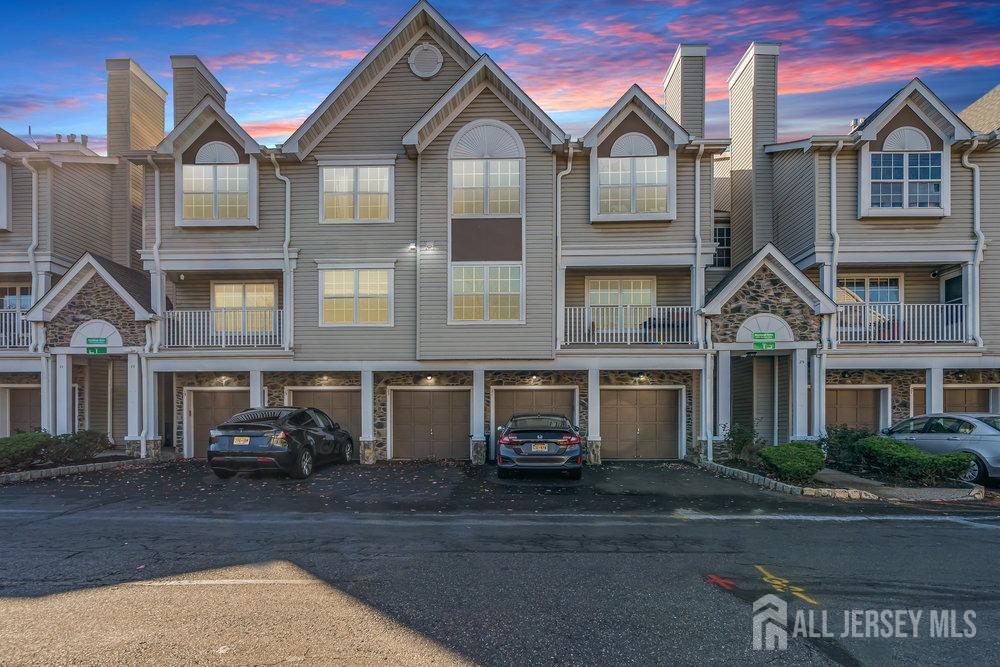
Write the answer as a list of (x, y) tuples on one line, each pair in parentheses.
[(153, 448), (369, 452), (275, 383), (593, 452), (478, 452), (182, 380)]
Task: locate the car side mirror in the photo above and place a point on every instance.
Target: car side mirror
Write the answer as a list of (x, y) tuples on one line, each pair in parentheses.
[(499, 429), (336, 426)]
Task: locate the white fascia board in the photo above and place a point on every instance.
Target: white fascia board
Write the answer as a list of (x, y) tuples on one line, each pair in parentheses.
[(755, 49), (635, 92), (167, 147), (897, 101), (37, 311)]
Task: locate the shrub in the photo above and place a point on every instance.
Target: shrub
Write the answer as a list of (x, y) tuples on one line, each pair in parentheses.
[(20, 449), (795, 461), (78, 446), (742, 443), (896, 461), (838, 445)]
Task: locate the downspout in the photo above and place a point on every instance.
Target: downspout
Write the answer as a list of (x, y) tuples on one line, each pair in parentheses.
[(696, 286), (144, 403), (156, 250), (977, 229), (560, 286), (286, 261), (708, 416), (831, 322), (35, 282)]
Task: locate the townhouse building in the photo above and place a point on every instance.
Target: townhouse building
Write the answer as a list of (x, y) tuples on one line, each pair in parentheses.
[(430, 253)]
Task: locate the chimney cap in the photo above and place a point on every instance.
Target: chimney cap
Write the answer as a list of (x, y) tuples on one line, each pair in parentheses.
[(117, 64), (684, 50), (194, 62), (758, 48)]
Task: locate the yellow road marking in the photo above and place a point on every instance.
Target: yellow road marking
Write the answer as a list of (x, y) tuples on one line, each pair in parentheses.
[(783, 585)]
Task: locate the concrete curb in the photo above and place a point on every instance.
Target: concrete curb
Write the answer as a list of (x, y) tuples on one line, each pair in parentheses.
[(48, 473), (752, 478)]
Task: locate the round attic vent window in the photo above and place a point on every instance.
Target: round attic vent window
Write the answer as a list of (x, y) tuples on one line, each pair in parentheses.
[(425, 60)]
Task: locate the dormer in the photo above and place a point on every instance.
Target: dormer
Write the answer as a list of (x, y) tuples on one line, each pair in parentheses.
[(633, 161), (904, 168), (215, 169)]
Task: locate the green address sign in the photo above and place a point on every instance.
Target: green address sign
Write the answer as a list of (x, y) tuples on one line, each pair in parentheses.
[(764, 340)]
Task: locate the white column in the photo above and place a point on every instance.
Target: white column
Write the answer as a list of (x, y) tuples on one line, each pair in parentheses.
[(970, 301), (134, 397), (935, 390), (818, 395), (724, 405), (367, 406), (47, 379), (288, 308), (594, 405), (150, 412), (257, 399), (707, 405), (64, 394), (800, 393), (479, 404)]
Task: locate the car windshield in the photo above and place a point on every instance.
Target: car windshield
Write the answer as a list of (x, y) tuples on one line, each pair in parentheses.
[(257, 416), (991, 421), (540, 423)]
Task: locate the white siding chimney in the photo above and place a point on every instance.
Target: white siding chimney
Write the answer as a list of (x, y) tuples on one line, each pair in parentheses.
[(684, 88), (192, 82), (753, 123)]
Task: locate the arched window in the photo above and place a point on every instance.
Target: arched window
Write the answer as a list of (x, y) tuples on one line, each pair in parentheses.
[(486, 170), (634, 178), (216, 186), (906, 173)]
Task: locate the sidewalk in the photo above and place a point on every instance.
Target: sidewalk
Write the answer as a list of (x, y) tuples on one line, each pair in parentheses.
[(845, 480)]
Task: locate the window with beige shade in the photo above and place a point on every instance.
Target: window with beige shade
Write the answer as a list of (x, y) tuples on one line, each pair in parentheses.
[(217, 186), (357, 193), (356, 297), (244, 306), (486, 293), (634, 178), (487, 171)]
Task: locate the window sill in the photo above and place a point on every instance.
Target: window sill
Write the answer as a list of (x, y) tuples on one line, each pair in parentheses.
[(243, 222), (463, 323), (881, 213), (632, 217), (356, 222), (356, 326)]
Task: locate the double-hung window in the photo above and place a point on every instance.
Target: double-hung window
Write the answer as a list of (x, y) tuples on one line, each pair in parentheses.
[(486, 187), (490, 292), (356, 193), (722, 234), (873, 290), (906, 174), (633, 179), (617, 304), (356, 297), (244, 306), (216, 187)]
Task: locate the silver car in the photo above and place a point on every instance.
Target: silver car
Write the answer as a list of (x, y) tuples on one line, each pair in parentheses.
[(975, 433)]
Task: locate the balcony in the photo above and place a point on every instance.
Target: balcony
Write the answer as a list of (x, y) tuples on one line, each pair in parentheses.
[(223, 328), (862, 323), (628, 325), (15, 331)]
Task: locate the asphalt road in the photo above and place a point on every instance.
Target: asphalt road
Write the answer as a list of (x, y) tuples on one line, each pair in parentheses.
[(128, 568)]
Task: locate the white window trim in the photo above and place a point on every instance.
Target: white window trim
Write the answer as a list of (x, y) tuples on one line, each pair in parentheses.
[(729, 226), (868, 277), (351, 265), (6, 196), (214, 308), (486, 294), (355, 161), (21, 286), (595, 184), (181, 221), (866, 210)]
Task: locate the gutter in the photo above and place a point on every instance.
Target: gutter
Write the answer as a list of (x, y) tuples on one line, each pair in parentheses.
[(35, 287), (696, 286), (560, 286), (977, 229), (144, 403), (156, 246), (831, 336), (289, 278)]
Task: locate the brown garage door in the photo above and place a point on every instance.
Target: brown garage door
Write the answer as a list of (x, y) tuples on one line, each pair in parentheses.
[(639, 423), (508, 402), (211, 408), (857, 408), (25, 409), (956, 399), (430, 424), (343, 406)]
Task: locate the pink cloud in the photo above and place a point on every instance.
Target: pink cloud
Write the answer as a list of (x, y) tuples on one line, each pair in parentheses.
[(243, 59), (201, 19), (486, 40), (849, 22), (624, 31), (737, 20), (261, 129)]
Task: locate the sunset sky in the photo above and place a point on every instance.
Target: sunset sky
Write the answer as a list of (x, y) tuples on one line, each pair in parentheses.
[(280, 59)]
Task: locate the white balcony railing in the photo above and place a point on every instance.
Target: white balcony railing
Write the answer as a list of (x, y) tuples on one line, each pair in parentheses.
[(628, 325), (15, 331), (223, 327), (902, 323)]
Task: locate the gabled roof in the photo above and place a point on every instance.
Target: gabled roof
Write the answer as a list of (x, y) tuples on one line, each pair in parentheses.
[(772, 258), (928, 103), (983, 115), (484, 74), (9, 142), (372, 68), (654, 113), (197, 120), (131, 285)]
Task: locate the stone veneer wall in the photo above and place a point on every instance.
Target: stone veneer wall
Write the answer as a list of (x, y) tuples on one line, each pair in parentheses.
[(686, 379), (377, 450), (20, 378), (972, 376), (899, 382), (95, 301), (182, 380), (501, 379), (275, 383), (766, 292)]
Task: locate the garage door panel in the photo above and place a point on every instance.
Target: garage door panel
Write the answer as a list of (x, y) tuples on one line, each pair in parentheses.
[(342, 405), (639, 423), (25, 409), (510, 401), (430, 424), (856, 408), (211, 408), (976, 399)]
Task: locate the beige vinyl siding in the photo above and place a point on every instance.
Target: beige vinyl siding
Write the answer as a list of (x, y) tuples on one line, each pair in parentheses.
[(97, 394), (713, 277), (794, 202), (721, 181), (763, 397), (17, 239), (741, 383), (673, 286), (119, 400), (577, 230), (195, 291), (741, 164), (989, 280), (375, 126), (437, 339), (685, 95), (81, 211), (190, 87)]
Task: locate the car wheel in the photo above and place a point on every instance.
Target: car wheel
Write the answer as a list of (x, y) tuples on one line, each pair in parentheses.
[(223, 474), (303, 464), (976, 474), (576, 474), (348, 452)]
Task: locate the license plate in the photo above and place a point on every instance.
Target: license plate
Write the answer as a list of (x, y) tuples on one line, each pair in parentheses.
[(539, 447), (241, 440)]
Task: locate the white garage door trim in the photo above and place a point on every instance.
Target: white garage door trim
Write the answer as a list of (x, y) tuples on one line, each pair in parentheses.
[(994, 394), (681, 410), (388, 411), (5, 389), (884, 400), (505, 387), (189, 414), (287, 397)]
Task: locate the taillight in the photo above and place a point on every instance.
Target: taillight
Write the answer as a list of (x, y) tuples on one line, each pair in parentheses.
[(508, 439), (570, 440), (279, 439)]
